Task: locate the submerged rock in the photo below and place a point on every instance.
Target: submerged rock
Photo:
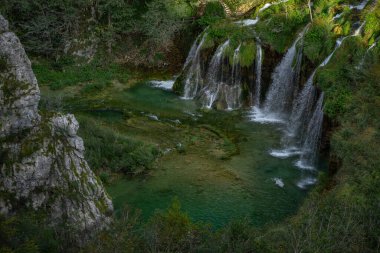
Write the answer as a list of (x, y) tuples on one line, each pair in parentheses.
[(42, 165)]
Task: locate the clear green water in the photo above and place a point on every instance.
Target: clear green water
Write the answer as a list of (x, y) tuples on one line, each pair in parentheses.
[(209, 187)]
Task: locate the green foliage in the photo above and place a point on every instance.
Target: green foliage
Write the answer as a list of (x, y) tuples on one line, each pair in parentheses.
[(117, 153), (44, 26), (324, 9), (160, 22), (235, 4), (247, 54), (372, 25), (220, 32), (319, 41), (338, 79), (344, 216), (280, 29), (123, 236), (63, 73), (213, 13), (173, 231), (27, 232)]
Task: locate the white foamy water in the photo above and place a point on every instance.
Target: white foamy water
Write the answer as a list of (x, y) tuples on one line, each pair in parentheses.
[(165, 85), (153, 117), (247, 22), (278, 182), (304, 166), (360, 6), (285, 153), (257, 115), (337, 16), (305, 182)]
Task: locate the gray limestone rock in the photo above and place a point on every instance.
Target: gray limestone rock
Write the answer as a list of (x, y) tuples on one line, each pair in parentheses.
[(19, 92), (42, 163)]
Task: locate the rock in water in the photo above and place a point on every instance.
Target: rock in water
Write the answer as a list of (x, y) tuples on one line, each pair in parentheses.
[(42, 165)]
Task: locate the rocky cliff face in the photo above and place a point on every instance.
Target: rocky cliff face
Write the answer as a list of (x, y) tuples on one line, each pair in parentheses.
[(41, 157)]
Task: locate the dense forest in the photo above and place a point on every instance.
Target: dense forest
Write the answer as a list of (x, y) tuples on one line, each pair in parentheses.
[(191, 167)]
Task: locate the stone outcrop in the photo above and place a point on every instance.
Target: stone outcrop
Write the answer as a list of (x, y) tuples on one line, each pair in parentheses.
[(19, 93), (42, 165)]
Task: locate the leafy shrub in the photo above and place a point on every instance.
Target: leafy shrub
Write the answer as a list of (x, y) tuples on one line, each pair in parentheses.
[(319, 41), (173, 231), (280, 29), (372, 25), (213, 12)]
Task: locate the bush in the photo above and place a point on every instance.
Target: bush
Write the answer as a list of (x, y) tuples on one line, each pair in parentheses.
[(281, 29), (214, 12), (173, 231), (319, 41)]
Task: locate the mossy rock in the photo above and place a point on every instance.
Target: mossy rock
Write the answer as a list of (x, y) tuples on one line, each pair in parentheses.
[(247, 53)]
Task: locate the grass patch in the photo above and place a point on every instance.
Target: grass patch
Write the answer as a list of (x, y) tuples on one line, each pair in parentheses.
[(64, 73)]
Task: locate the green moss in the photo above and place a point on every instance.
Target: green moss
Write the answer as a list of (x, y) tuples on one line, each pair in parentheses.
[(346, 28), (280, 30), (319, 41), (213, 13), (247, 54), (209, 42), (372, 25)]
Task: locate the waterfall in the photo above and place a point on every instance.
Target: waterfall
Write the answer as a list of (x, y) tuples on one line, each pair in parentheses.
[(339, 43), (314, 131), (258, 63), (214, 77), (232, 92), (303, 130), (281, 90), (192, 53), (364, 56), (301, 111), (249, 22), (194, 79), (301, 134), (360, 6)]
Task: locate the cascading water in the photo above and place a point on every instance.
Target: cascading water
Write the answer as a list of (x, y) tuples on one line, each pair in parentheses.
[(259, 60), (360, 6), (301, 112), (365, 54), (232, 92), (249, 22), (281, 91), (214, 77), (311, 144), (194, 79), (192, 53), (299, 138)]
